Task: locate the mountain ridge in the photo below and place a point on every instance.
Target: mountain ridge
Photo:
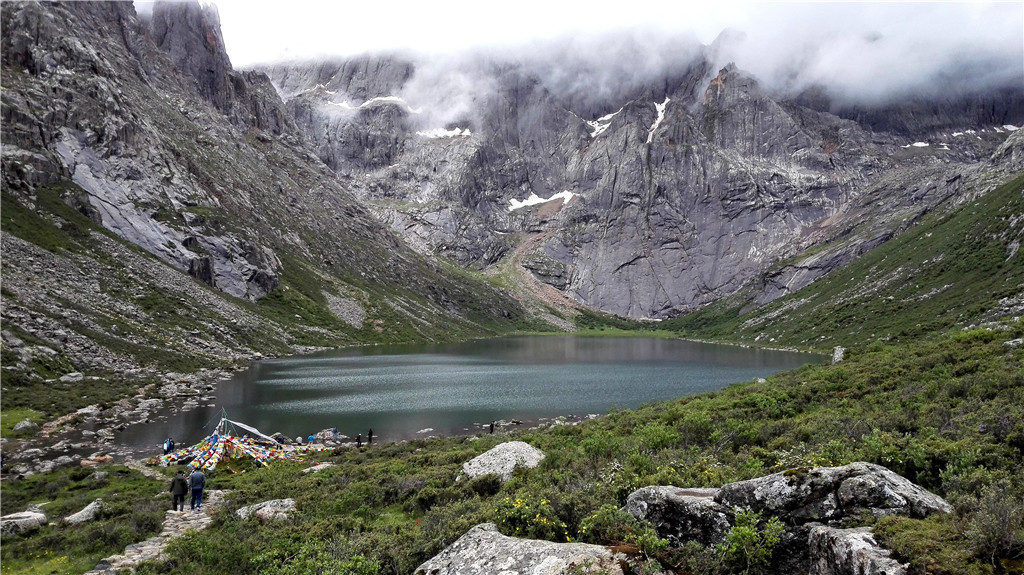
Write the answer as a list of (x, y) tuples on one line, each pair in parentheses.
[(749, 149)]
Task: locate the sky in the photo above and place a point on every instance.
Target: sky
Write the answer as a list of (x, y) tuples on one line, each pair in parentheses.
[(257, 31), (868, 50)]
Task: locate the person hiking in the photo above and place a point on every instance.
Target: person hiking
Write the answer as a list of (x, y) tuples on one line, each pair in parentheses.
[(168, 445), (369, 437), (179, 487), (196, 482), (359, 440)]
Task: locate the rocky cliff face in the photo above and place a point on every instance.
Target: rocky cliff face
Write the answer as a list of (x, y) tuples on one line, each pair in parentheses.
[(672, 192), (144, 128), (685, 190)]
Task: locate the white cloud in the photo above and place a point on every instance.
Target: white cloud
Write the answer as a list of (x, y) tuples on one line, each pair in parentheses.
[(865, 50)]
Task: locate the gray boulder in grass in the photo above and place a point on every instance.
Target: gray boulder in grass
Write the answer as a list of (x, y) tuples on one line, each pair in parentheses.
[(485, 551), (503, 460)]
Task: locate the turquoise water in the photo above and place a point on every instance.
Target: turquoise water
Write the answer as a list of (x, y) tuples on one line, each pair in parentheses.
[(403, 392)]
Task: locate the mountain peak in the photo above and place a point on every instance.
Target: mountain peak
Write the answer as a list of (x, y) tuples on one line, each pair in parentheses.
[(189, 33)]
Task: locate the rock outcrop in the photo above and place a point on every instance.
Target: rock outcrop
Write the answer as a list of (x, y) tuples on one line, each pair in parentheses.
[(485, 551), (272, 510), (681, 515), (803, 499), (88, 513), (25, 426), (850, 552), (831, 493), (504, 459), (21, 522)]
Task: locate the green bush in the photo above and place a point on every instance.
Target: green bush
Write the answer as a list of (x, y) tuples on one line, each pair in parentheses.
[(748, 545), (609, 525), (933, 546), (647, 540), (520, 516), (318, 558), (996, 525), (486, 485), (658, 436)]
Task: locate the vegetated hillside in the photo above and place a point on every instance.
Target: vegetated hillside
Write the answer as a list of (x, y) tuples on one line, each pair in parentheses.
[(160, 212), (946, 412), (957, 265)]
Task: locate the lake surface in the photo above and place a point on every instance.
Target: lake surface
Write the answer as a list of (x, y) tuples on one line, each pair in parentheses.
[(403, 391)]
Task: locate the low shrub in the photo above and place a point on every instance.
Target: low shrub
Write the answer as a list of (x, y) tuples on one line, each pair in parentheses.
[(749, 544), (520, 516)]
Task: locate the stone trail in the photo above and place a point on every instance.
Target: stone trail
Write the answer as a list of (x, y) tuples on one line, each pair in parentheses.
[(176, 523)]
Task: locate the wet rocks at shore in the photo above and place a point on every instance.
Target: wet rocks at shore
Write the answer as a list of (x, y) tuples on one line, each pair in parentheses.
[(93, 428)]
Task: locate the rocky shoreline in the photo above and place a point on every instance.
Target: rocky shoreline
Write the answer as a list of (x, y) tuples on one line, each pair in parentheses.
[(88, 434)]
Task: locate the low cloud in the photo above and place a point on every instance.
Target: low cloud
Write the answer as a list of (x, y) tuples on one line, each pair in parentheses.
[(859, 53), (872, 53)]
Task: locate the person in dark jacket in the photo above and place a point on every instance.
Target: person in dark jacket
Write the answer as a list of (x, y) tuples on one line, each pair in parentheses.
[(179, 487), (196, 482)]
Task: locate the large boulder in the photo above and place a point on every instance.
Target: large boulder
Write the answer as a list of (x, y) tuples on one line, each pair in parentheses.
[(850, 552), (681, 515), (22, 522), (26, 426), (268, 510), (503, 459), (89, 513), (832, 493), (804, 500), (485, 551)]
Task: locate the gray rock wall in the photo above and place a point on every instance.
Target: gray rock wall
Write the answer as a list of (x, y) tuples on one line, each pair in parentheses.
[(676, 209)]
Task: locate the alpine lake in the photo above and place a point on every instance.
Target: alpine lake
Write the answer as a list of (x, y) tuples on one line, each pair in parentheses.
[(412, 391)]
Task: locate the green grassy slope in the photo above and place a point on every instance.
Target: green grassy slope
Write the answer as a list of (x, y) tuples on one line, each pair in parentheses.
[(951, 269), (948, 413)]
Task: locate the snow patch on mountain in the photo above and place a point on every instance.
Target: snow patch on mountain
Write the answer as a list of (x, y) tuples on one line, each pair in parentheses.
[(661, 116), (442, 133), (379, 100), (534, 199), (601, 124)]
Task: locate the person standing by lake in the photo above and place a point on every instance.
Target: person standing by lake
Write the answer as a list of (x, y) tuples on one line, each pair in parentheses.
[(196, 482), (369, 437)]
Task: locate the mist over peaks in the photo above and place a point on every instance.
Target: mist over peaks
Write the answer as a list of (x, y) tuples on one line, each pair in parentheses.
[(865, 54), (856, 54)]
